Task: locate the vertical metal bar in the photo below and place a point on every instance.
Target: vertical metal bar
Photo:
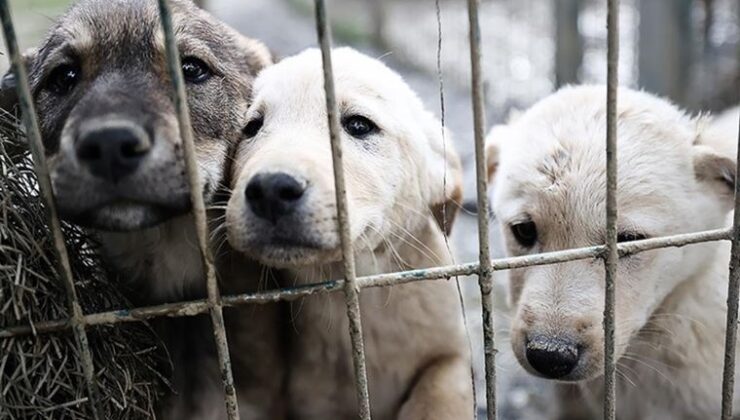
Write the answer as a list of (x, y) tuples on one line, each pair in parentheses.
[(351, 291), (485, 274), (728, 378), (611, 257), (199, 212), (33, 133)]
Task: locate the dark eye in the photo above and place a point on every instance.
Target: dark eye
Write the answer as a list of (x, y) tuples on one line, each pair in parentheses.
[(630, 236), (195, 70), (359, 126), (253, 127), (525, 233), (63, 79)]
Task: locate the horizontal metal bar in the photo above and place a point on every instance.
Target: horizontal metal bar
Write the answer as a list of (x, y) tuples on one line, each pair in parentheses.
[(196, 307)]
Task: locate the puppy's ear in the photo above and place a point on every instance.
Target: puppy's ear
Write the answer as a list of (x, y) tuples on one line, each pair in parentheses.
[(8, 94), (716, 171), (444, 174), (494, 140), (258, 56)]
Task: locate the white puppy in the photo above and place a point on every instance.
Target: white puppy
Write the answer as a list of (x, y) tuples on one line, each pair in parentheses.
[(283, 213), (549, 188)]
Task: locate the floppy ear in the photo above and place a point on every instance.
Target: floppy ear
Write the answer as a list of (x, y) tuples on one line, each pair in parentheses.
[(258, 56), (8, 94), (716, 171), (444, 174), (495, 137)]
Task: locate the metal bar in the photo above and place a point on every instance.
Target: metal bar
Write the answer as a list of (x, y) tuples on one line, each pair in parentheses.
[(485, 274), (733, 292), (199, 211), (378, 280), (33, 133), (611, 256), (351, 290)]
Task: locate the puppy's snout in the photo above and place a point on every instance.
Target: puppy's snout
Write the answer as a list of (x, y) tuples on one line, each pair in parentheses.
[(552, 357), (272, 196), (112, 152)]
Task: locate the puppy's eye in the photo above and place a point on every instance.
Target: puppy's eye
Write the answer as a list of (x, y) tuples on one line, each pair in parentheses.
[(63, 79), (253, 127), (630, 236), (525, 233), (195, 70), (359, 126)]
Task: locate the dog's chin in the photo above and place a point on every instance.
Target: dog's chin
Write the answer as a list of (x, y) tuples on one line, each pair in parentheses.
[(124, 216), (289, 253)]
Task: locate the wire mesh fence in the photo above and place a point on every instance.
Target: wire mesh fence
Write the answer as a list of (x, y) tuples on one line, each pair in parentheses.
[(352, 285)]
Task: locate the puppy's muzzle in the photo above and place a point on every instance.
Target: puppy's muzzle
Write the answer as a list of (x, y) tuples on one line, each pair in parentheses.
[(112, 151), (552, 357), (272, 196)]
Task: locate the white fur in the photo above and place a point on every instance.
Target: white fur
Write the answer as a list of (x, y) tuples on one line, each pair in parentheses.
[(549, 166), (417, 359)]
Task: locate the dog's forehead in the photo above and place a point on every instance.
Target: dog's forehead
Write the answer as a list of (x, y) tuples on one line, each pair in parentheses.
[(127, 29), (300, 78), (556, 165)]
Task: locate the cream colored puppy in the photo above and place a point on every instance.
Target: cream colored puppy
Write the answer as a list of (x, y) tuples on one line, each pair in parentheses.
[(549, 194), (282, 212)]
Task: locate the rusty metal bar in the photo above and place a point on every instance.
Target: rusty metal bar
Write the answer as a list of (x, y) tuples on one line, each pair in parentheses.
[(485, 275), (33, 133), (351, 290), (611, 256), (733, 292), (378, 280), (199, 211)]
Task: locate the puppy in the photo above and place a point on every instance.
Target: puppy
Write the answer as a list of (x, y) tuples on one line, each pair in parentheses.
[(548, 170), (104, 101), (282, 212)]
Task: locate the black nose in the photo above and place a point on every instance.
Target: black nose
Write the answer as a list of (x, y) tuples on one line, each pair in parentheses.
[(112, 153), (552, 357), (271, 196)]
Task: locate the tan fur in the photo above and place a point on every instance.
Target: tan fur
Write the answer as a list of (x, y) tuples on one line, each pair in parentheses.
[(548, 167), (417, 359)]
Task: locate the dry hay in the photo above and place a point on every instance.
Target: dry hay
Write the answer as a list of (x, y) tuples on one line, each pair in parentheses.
[(42, 376)]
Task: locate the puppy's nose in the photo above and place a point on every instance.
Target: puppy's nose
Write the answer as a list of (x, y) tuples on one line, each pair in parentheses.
[(112, 152), (271, 196), (552, 357)]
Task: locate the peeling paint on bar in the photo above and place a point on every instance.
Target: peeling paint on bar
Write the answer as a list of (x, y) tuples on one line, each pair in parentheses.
[(199, 210), (33, 133), (611, 254), (733, 292), (485, 275), (351, 290)]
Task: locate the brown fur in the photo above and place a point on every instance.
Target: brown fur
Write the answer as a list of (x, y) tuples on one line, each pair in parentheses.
[(149, 241)]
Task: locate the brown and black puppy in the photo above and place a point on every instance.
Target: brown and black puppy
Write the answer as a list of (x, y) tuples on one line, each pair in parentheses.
[(104, 100)]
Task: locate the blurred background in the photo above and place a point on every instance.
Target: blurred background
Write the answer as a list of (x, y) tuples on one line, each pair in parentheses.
[(686, 50)]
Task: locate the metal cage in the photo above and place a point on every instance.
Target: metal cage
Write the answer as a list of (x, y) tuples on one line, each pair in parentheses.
[(351, 284)]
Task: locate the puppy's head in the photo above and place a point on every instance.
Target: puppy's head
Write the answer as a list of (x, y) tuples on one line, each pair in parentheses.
[(283, 206), (105, 105), (549, 194)]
